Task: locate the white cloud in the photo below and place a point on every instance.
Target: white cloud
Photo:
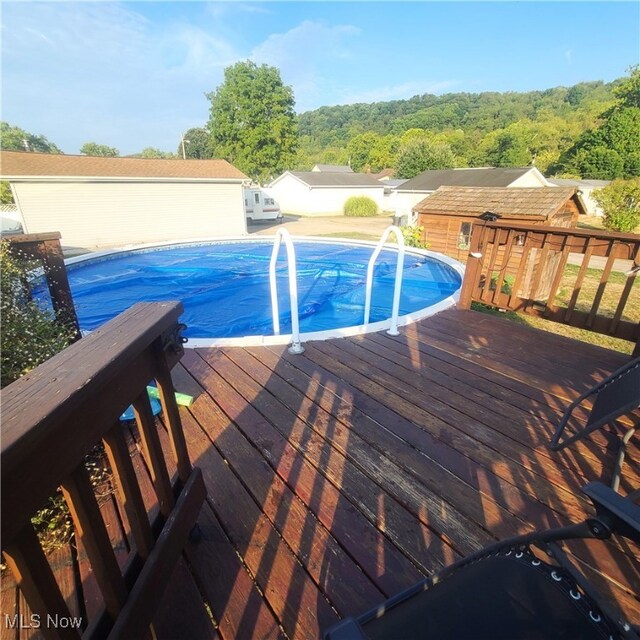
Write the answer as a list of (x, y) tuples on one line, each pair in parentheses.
[(568, 54), (108, 70), (306, 56)]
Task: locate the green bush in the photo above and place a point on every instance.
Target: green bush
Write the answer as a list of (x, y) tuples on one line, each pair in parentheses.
[(620, 202), (30, 335), (360, 206), (413, 236)]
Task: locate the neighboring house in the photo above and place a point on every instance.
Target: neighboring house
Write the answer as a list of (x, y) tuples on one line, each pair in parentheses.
[(332, 168), (414, 190), (385, 174), (585, 192), (96, 202), (318, 193)]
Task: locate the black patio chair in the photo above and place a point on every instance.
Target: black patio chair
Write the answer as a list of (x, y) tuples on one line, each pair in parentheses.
[(508, 592), (615, 396)]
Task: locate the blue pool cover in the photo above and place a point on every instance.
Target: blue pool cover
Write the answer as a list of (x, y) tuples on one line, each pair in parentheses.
[(224, 287)]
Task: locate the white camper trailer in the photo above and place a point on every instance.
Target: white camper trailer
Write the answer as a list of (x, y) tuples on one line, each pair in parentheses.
[(259, 205)]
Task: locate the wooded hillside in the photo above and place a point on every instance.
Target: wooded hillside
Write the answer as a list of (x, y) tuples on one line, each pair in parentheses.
[(484, 129)]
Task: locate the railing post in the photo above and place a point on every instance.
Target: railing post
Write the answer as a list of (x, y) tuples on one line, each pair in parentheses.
[(472, 268), (46, 248), (59, 287)]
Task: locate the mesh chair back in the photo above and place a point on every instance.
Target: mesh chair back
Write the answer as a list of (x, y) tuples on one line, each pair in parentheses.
[(620, 395)]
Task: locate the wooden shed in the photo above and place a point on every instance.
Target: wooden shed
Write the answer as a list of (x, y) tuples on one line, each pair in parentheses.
[(449, 213)]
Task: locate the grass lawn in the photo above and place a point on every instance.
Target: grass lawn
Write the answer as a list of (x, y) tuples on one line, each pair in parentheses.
[(610, 300), (352, 235), (595, 222)]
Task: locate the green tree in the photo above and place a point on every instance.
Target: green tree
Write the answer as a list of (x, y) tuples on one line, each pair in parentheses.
[(599, 163), (610, 150), (197, 144), (371, 151), (95, 149), (419, 154), (152, 152), (17, 139), (509, 149), (6, 195), (628, 91), (252, 123), (620, 202)]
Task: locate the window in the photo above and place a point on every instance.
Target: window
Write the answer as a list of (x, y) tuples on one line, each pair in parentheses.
[(269, 201), (256, 198), (464, 237), (246, 202)]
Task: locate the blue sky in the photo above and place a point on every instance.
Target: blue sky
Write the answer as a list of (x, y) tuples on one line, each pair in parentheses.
[(134, 75)]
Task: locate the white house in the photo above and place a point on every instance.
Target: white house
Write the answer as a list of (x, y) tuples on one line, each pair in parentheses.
[(412, 191), (97, 202), (333, 168), (320, 193), (585, 192)]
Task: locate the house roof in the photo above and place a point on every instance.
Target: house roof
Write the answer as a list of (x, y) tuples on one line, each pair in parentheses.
[(538, 202), (385, 174), (23, 165), (565, 182), (334, 168), (332, 179), (431, 180)]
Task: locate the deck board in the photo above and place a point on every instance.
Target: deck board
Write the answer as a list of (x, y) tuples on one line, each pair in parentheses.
[(379, 459), (341, 476)]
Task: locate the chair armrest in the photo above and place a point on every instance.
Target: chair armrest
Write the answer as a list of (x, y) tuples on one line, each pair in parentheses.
[(347, 629), (622, 514)]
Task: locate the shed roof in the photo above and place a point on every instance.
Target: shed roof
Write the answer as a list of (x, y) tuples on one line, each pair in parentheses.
[(431, 180), (334, 168), (539, 202), (24, 165), (332, 179)]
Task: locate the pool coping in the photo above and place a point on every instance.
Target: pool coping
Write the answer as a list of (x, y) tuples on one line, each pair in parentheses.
[(285, 339)]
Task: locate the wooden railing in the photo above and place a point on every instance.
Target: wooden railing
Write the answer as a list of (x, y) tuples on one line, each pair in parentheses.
[(55, 415), (521, 268), (45, 250)]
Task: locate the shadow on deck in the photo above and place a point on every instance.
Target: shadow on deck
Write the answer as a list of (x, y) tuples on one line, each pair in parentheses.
[(341, 476)]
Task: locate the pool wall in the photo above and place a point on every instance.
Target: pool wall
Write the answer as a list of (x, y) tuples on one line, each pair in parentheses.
[(284, 339)]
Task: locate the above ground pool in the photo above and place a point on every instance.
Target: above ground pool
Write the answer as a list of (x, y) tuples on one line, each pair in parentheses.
[(224, 285)]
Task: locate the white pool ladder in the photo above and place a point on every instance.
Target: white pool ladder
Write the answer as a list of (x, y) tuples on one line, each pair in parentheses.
[(393, 329), (296, 346)]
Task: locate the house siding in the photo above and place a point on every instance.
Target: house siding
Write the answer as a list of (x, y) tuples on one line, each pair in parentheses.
[(95, 214), (530, 179), (297, 198)]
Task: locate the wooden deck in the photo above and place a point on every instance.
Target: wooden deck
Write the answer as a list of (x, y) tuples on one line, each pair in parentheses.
[(338, 477)]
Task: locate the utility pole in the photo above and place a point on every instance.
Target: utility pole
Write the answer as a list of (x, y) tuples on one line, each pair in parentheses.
[(184, 154)]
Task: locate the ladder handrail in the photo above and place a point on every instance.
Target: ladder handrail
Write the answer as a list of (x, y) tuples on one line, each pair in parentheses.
[(393, 330), (296, 346)]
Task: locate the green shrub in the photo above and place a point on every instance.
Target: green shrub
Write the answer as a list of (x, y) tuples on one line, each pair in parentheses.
[(620, 202), (360, 206), (30, 335), (413, 236)]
